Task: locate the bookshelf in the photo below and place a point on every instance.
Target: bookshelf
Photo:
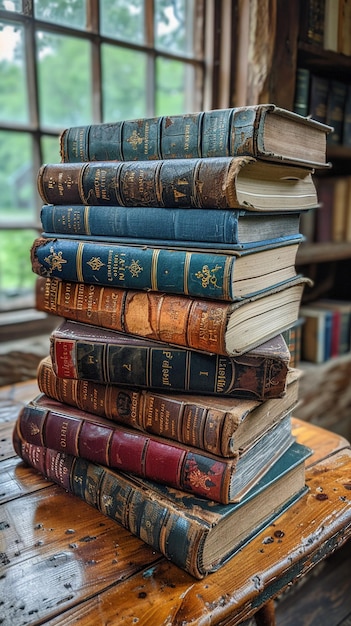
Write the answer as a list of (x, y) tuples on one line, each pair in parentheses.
[(327, 263)]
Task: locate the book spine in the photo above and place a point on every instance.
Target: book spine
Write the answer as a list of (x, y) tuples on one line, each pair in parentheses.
[(335, 111), (193, 273), (176, 183), (302, 91), (129, 450), (222, 132), (135, 223), (153, 315), (121, 499), (167, 368), (174, 417)]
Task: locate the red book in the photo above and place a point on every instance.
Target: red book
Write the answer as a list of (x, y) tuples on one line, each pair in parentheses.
[(52, 424)]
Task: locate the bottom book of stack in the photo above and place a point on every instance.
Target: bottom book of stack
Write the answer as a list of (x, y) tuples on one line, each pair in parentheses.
[(197, 532)]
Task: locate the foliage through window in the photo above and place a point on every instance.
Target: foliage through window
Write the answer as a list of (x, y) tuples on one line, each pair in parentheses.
[(70, 62)]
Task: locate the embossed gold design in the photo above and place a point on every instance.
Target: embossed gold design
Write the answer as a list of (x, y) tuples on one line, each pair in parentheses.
[(208, 276), (34, 430), (135, 140), (95, 263), (55, 260), (135, 268)]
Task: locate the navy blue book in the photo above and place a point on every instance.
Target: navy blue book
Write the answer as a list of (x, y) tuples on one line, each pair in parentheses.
[(171, 227), (196, 534)]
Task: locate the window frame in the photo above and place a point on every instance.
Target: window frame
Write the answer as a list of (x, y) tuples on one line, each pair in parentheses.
[(215, 20)]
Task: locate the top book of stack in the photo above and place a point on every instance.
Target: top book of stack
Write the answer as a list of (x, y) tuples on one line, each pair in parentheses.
[(263, 131)]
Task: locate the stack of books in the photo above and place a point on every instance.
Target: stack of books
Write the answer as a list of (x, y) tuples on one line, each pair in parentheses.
[(168, 250)]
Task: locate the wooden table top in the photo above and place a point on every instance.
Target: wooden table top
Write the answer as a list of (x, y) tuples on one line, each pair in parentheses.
[(63, 562)]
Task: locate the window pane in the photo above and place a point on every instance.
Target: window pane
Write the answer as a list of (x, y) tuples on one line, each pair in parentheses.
[(17, 180), (66, 12), (13, 92), (51, 149), (16, 276), (64, 80), (11, 5), (174, 93), (123, 83), (174, 25), (123, 19)]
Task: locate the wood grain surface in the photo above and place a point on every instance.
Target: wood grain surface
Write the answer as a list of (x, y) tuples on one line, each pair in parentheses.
[(63, 562)]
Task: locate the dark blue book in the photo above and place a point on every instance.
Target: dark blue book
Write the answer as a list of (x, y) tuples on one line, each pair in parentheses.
[(171, 227)]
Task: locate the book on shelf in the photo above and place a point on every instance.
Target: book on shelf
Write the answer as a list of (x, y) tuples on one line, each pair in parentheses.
[(340, 312), (84, 351), (344, 27), (194, 272), (312, 18), (335, 110), (346, 130), (319, 90), (212, 326), (316, 333), (52, 424), (331, 25), (218, 425), (204, 183), (324, 215), (302, 91), (262, 131), (196, 534), (292, 338), (172, 227)]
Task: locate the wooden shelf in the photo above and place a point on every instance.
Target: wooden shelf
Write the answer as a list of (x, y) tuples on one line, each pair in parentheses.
[(325, 62), (323, 252)]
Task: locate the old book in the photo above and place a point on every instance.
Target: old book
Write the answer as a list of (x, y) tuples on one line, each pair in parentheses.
[(84, 351), (316, 334), (49, 423), (346, 131), (216, 326), (335, 110), (312, 17), (212, 183), (218, 425), (344, 27), (302, 91), (193, 272), (331, 25), (196, 534), (319, 90), (174, 227), (262, 131)]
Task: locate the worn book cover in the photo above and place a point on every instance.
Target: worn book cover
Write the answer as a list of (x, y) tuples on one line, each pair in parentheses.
[(87, 352), (53, 424), (203, 183), (264, 131), (216, 326), (218, 425), (196, 534), (194, 272)]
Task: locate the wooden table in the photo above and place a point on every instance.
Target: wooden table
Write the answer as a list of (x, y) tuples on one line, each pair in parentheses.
[(62, 562)]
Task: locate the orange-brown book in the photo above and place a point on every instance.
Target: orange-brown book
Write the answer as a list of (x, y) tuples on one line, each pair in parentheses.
[(217, 425), (212, 326)]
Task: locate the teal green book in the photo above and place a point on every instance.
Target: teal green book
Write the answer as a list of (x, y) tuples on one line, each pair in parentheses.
[(196, 534), (223, 275), (262, 131)]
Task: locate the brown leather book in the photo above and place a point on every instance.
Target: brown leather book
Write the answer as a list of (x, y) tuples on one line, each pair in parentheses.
[(217, 425)]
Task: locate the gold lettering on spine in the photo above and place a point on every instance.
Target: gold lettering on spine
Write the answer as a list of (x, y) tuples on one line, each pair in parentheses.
[(79, 262)]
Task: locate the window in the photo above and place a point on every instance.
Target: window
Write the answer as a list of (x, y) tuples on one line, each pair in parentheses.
[(70, 62)]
